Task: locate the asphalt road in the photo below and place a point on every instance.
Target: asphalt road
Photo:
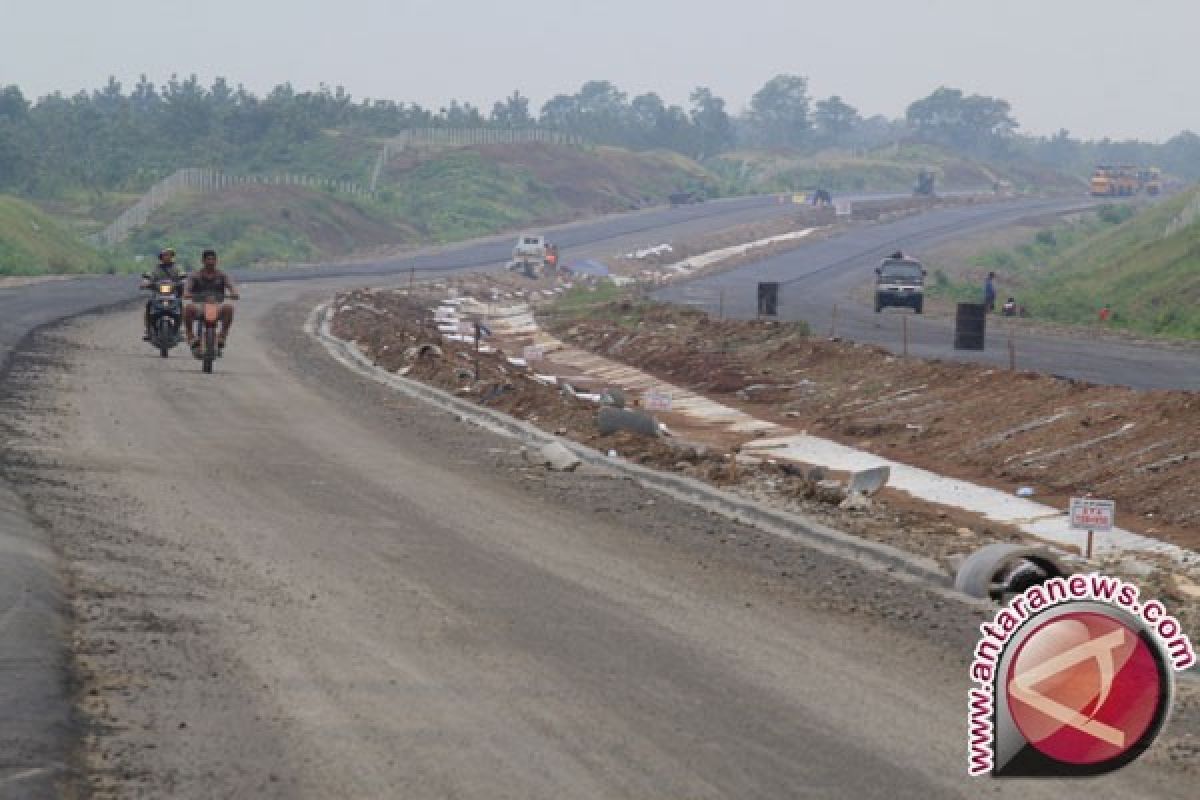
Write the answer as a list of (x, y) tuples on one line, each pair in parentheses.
[(289, 582), (285, 581), (832, 272)]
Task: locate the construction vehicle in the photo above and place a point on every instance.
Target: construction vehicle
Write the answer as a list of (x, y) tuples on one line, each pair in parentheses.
[(1151, 180), (1115, 181), (924, 187), (534, 257)]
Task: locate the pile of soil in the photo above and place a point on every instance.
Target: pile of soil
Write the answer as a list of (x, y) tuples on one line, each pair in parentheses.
[(1058, 436), (858, 394)]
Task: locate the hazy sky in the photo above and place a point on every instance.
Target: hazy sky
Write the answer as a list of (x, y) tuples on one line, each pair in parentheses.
[(1097, 67)]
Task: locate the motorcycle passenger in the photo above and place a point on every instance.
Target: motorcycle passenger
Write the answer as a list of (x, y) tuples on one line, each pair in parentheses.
[(206, 283), (166, 269)]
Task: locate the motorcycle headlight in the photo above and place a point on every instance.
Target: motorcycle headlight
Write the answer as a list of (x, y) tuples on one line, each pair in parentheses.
[(165, 288)]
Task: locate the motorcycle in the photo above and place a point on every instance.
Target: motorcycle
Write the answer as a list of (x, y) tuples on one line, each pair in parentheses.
[(166, 314), (206, 331)]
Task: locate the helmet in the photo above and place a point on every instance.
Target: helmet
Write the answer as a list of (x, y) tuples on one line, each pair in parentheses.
[(166, 252)]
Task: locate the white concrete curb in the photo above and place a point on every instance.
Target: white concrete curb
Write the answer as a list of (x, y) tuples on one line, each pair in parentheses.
[(867, 554)]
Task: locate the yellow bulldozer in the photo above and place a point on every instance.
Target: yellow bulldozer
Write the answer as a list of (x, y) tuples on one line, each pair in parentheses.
[(1124, 181)]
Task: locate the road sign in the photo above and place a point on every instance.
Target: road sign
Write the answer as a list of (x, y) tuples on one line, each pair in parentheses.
[(533, 352), (1091, 514), (656, 401)]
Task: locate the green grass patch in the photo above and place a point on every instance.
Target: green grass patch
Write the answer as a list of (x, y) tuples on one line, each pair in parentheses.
[(1145, 266), (34, 243)]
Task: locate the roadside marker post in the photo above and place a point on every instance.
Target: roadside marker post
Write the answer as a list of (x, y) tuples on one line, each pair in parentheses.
[(653, 400), (1094, 516)]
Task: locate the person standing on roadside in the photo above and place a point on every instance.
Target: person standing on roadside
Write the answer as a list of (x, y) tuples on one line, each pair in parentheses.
[(989, 292)]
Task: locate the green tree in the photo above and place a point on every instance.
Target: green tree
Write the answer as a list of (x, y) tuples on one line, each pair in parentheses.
[(713, 128), (972, 123), (779, 112), (835, 120), (512, 112)]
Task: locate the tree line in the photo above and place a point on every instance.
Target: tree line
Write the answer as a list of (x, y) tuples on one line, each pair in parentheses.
[(117, 139)]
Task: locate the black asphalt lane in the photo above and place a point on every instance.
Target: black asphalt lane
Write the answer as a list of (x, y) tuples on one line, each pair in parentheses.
[(816, 278)]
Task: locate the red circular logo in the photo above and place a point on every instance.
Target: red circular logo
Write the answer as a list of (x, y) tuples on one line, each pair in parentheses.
[(1084, 688)]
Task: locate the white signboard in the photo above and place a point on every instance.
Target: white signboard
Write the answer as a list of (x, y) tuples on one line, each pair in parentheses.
[(1090, 514), (533, 352), (656, 401)]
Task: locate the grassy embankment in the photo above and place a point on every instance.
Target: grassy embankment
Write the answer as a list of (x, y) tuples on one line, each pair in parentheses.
[(34, 243), (1145, 266), (425, 196), (890, 169)]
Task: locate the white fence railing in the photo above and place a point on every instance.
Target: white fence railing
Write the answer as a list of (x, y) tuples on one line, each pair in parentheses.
[(195, 179), (466, 137)]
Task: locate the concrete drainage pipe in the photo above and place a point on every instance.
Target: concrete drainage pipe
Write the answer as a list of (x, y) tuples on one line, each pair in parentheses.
[(998, 571)]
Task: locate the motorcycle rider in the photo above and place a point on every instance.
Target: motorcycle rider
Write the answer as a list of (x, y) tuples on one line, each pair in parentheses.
[(166, 269), (206, 282)]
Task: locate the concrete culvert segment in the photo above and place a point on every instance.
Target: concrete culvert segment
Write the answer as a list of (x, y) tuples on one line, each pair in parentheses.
[(1000, 570)]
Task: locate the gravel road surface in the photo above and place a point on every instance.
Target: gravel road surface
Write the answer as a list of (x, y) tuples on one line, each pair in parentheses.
[(288, 582)]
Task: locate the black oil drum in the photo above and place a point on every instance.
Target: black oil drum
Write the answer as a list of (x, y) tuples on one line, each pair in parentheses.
[(970, 324), (768, 299)]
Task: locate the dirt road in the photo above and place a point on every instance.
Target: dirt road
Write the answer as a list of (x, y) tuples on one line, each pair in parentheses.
[(289, 583)]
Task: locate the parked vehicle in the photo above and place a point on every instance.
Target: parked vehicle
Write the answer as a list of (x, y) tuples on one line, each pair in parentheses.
[(529, 255), (687, 198), (925, 184), (900, 281)]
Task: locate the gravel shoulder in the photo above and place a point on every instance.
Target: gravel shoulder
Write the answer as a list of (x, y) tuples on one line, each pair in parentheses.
[(287, 581)]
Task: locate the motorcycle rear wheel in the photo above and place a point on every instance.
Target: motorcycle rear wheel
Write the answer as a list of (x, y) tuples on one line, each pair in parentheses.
[(210, 348)]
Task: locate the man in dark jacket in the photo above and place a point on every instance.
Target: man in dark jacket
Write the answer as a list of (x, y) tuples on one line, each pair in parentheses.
[(166, 269), (989, 292)]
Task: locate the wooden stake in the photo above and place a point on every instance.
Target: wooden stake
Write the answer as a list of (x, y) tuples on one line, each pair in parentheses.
[(905, 319)]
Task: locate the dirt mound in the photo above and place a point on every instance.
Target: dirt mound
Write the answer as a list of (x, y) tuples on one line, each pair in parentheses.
[(253, 223), (1004, 429), (591, 180)]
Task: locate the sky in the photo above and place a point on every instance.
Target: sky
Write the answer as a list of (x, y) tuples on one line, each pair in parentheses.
[(1095, 67)]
